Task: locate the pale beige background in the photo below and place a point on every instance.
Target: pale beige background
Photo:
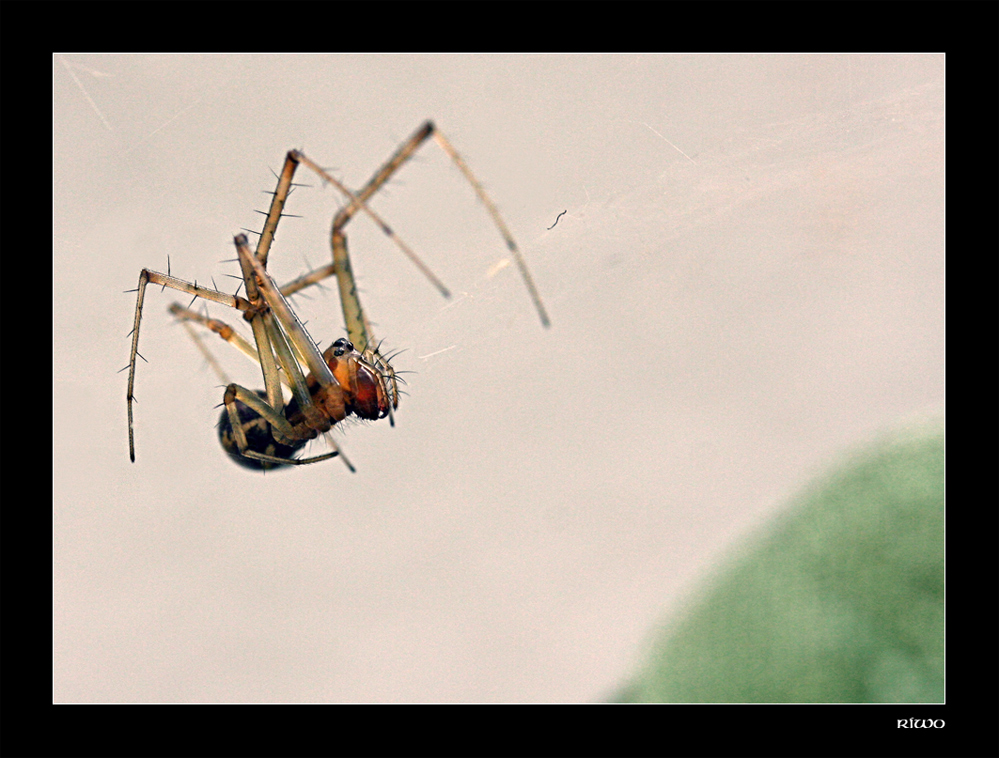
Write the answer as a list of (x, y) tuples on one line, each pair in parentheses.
[(749, 279)]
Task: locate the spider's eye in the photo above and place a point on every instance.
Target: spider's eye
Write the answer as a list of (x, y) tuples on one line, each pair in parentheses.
[(342, 346)]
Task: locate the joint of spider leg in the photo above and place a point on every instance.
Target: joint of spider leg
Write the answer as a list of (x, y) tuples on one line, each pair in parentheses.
[(426, 130), (254, 311)]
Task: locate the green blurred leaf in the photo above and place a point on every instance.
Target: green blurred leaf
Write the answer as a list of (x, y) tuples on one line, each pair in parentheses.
[(841, 600)]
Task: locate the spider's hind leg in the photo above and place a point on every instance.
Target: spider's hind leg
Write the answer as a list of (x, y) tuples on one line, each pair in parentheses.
[(257, 433)]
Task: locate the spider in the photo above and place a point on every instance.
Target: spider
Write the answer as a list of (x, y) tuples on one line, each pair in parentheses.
[(257, 428)]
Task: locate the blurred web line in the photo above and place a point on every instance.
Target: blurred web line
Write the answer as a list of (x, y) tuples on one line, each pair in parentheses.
[(662, 138), (83, 89)]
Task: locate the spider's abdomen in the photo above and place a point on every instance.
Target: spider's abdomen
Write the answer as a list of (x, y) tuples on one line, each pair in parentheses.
[(258, 438)]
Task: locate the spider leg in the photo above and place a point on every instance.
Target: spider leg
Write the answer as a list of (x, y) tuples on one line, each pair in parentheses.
[(186, 316), (285, 432), (269, 292), (270, 334), (288, 325), (403, 154), (525, 274), (196, 338), (146, 276), (222, 329), (278, 201), (357, 202)]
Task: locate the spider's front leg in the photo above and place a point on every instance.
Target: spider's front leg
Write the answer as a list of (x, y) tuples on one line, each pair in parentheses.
[(145, 277)]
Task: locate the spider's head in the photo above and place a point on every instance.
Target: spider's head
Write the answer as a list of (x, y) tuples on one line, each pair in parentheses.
[(363, 385)]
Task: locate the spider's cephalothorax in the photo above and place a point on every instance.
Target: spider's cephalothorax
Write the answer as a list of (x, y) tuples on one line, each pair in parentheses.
[(259, 429)]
